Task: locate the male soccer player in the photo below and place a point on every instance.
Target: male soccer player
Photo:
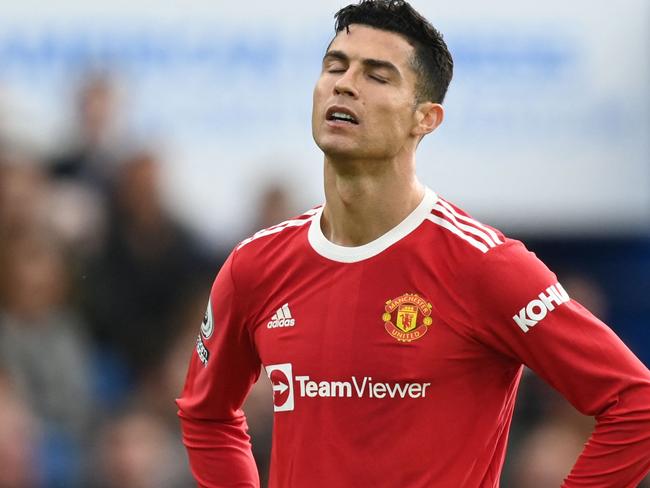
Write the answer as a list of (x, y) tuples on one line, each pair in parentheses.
[(392, 325)]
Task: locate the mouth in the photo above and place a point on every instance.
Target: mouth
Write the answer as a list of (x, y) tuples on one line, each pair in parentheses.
[(341, 115)]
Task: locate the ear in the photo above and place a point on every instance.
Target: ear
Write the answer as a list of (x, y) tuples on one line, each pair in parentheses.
[(428, 116)]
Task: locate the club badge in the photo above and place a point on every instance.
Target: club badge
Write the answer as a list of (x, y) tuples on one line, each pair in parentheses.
[(407, 318)]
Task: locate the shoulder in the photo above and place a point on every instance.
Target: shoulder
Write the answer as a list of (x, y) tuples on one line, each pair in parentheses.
[(494, 270), (494, 276), (458, 235), (460, 230), (269, 245), (276, 235), (478, 250)]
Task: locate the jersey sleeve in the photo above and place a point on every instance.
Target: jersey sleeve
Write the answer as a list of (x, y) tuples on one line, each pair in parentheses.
[(222, 370), (521, 311)]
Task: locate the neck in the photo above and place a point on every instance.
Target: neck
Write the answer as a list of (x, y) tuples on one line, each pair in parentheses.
[(365, 199)]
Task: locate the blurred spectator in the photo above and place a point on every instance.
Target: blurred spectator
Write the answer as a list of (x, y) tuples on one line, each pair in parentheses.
[(78, 216), (136, 285), (85, 168), (28, 199), (167, 381), (92, 155), (588, 292), (23, 190), (19, 432), (166, 384), (136, 450), (259, 416), (547, 456), (549, 449), (274, 206), (42, 346), (159, 389)]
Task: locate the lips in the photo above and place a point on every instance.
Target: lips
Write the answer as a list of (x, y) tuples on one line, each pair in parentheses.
[(341, 114)]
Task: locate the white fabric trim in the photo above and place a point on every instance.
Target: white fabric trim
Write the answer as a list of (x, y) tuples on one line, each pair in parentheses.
[(344, 254), (470, 220), (274, 230), (451, 227), (464, 227)]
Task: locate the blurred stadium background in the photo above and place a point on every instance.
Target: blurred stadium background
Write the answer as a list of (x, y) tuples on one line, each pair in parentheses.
[(140, 140)]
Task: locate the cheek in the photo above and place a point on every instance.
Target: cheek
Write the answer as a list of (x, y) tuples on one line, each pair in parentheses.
[(316, 105), (320, 93), (396, 120)]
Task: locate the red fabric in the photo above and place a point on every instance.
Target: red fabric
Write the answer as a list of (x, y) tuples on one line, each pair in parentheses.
[(220, 453), (434, 411)]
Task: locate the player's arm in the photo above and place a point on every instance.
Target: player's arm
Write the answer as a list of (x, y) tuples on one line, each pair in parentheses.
[(523, 313), (223, 367)]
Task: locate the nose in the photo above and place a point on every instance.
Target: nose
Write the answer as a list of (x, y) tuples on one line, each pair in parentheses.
[(346, 84)]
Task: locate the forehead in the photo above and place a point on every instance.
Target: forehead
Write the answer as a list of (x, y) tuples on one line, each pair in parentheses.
[(364, 42)]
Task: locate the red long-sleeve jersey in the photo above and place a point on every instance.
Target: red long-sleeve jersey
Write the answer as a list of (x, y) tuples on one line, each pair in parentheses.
[(396, 363)]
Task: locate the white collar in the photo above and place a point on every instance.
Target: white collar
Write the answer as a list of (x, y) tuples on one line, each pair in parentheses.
[(345, 254)]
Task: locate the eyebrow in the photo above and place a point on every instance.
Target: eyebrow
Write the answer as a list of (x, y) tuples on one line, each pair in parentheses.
[(369, 62)]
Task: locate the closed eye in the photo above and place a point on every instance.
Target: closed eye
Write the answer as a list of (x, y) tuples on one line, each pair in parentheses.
[(378, 79)]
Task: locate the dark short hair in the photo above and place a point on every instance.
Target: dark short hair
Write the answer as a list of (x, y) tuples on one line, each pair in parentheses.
[(432, 60)]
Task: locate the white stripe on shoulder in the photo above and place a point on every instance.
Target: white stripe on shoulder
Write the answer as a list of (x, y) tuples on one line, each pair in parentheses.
[(470, 220), (278, 228), (468, 228), (452, 228)]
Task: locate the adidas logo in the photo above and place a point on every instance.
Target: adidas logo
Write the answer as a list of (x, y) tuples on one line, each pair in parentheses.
[(281, 318)]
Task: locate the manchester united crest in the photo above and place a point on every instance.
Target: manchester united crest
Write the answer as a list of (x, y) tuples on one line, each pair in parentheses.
[(407, 318)]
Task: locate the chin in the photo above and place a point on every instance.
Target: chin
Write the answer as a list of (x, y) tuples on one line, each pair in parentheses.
[(334, 147), (340, 151)]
